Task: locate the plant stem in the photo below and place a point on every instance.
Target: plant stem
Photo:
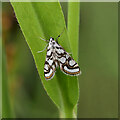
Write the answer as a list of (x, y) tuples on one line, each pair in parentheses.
[(67, 114)]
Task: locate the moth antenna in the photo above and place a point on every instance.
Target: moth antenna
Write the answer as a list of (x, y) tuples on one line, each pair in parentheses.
[(43, 49), (60, 35), (43, 39)]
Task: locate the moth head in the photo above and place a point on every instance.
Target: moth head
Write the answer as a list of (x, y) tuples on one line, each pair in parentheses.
[(51, 39)]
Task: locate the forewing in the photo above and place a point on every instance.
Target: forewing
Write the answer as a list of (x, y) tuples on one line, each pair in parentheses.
[(67, 63), (50, 65), (70, 67)]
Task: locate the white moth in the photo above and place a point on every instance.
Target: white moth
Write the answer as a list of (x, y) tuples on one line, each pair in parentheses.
[(57, 56)]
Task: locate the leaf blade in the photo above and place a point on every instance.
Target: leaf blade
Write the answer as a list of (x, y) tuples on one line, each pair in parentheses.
[(47, 19)]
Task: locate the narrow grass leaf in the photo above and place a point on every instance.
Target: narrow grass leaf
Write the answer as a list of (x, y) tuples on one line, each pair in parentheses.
[(73, 29)]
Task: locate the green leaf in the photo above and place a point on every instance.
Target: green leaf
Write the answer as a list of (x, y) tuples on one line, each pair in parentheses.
[(45, 20), (73, 29)]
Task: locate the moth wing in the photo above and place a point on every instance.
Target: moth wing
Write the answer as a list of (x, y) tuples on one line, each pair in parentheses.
[(67, 63), (50, 65), (70, 67)]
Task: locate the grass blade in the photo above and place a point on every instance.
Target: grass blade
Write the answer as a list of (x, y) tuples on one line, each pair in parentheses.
[(73, 26), (73, 29)]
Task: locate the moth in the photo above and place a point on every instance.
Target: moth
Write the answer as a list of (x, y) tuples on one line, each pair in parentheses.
[(57, 56)]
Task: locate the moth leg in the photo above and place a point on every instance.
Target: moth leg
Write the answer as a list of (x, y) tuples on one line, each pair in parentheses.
[(43, 49), (69, 53)]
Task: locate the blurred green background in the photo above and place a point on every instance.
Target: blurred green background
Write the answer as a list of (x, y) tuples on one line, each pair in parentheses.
[(98, 59)]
